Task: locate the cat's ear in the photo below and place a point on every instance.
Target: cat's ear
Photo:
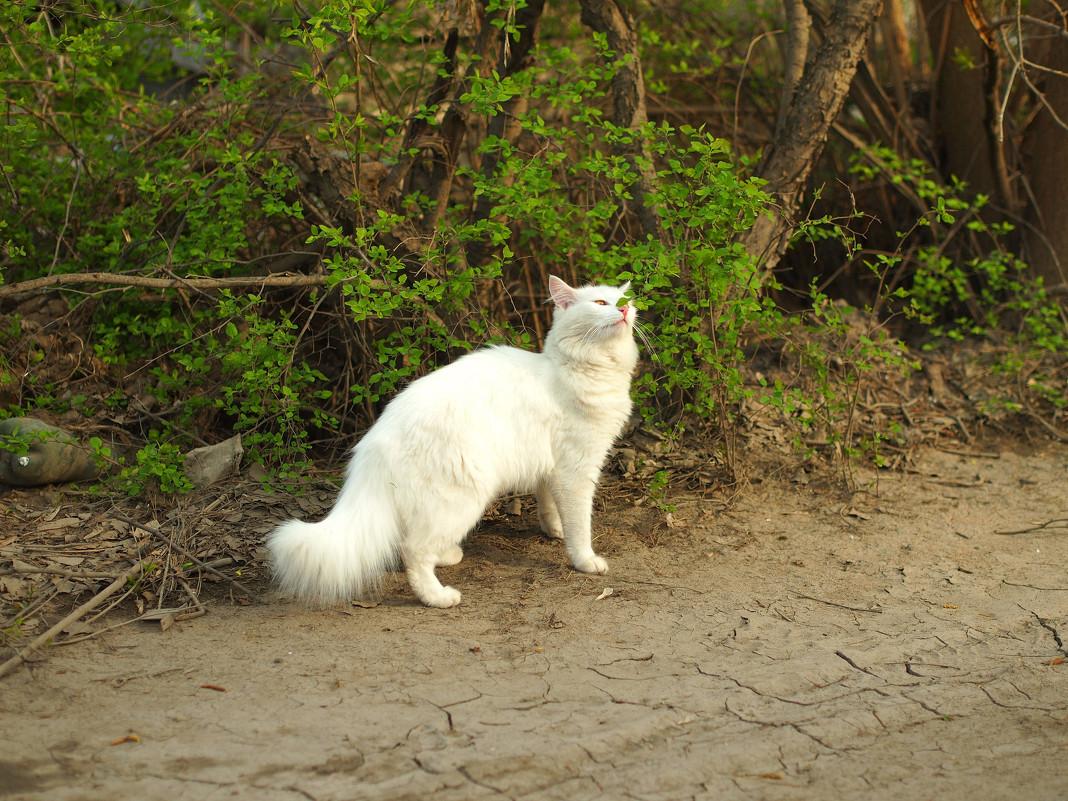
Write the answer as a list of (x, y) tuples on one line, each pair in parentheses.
[(562, 295), (625, 288)]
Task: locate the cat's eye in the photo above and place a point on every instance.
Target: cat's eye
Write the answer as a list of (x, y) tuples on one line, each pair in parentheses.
[(600, 302)]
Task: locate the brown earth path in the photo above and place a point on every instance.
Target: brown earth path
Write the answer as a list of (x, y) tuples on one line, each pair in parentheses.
[(800, 645)]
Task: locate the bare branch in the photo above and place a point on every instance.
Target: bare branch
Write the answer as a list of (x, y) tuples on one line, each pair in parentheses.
[(92, 603), (1016, 19), (111, 279)]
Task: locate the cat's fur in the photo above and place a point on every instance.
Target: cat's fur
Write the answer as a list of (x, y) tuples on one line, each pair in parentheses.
[(495, 421)]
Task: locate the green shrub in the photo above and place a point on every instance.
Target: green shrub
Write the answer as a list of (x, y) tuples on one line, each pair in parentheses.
[(323, 145)]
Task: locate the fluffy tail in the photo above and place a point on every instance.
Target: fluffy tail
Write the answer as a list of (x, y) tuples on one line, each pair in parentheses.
[(343, 556)]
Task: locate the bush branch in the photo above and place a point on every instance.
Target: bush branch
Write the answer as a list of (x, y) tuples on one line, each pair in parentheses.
[(111, 279)]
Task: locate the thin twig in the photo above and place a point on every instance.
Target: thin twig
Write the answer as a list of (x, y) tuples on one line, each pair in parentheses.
[(39, 603), (1052, 429), (187, 554), (66, 214), (200, 609), (840, 606), (148, 616), (1039, 527)]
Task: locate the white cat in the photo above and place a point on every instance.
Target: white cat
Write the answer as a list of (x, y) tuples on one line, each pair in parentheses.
[(497, 420)]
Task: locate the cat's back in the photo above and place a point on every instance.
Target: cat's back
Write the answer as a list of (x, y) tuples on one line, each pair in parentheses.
[(487, 369), (469, 421), (489, 382)]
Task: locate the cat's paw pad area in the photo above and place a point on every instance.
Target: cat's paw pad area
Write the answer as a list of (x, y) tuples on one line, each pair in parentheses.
[(553, 533), (551, 528), (450, 556), (446, 598), (594, 564)]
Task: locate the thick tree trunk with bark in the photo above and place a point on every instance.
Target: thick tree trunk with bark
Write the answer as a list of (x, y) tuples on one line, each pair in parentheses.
[(806, 120), (628, 101), (1045, 150), (798, 33), (966, 77)]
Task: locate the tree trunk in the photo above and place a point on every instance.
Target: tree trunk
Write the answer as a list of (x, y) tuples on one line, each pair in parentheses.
[(628, 102), (518, 55), (798, 29), (966, 75), (495, 51), (807, 119), (896, 40), (1045, 150)]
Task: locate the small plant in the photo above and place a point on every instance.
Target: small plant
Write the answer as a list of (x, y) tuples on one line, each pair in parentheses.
[(657, 490), (986, 294), (135, 583), (158, 465)]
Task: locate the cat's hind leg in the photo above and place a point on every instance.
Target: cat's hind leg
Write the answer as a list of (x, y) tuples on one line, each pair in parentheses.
[(425, 584), (435, 528), (450, 556), (548, 515)]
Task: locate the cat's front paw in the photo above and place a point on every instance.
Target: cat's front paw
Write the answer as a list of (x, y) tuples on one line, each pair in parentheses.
[(593, 564), (445, 598)]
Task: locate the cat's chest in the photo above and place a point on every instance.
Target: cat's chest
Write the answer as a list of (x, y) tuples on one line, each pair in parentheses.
[(593, 398)]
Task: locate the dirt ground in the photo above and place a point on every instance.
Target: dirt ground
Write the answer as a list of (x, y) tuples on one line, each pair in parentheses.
[(798, 643)]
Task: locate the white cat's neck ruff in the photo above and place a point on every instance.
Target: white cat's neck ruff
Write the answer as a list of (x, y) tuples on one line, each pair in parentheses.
[(591, 348)]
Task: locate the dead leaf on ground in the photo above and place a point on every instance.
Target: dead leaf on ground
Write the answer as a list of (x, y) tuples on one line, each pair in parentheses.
[(55, 525)]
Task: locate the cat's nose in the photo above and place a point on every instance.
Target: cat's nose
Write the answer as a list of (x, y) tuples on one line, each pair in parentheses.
[(624, 310)]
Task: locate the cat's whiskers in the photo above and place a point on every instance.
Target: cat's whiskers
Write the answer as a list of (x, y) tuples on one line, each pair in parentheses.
[(643, 335), (598, 329), (591, 335)]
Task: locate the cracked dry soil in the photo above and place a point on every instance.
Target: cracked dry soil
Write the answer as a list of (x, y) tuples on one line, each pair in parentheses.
[(798, 645)]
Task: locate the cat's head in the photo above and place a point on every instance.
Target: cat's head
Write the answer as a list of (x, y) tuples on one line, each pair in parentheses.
[(592, 313)]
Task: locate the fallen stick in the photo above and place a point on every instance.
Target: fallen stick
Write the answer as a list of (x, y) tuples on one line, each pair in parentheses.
[(58, 571), (89, 605), (1037, 527), (840, 606), (147, 282)]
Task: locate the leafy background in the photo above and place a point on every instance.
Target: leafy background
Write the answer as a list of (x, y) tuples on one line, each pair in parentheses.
[(267, 218)]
